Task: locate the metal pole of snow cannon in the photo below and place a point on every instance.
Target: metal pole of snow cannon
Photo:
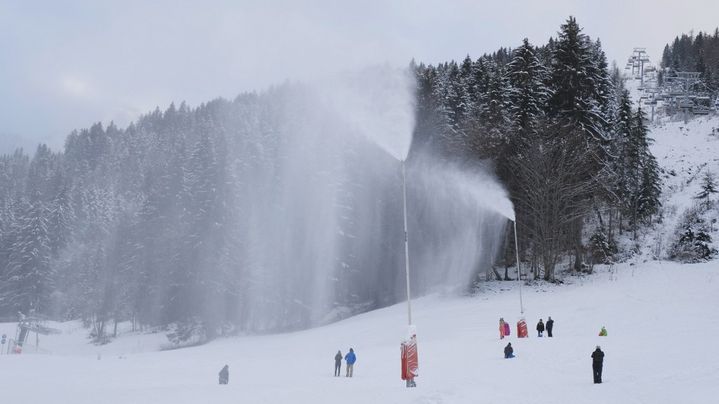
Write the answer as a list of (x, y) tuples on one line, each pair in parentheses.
[(519, 272), (409, 347), (406, 243)]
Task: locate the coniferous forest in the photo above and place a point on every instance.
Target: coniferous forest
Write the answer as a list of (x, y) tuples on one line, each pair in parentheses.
[(695, 53), (147, 223)]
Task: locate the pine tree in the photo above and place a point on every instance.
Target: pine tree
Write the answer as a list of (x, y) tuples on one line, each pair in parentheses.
[(467, 85), (627, 161), (666, 56), (577, 82), (528, 93), (40, 173), (708, 186), (579, 103), (28, 283), (60, 222), (493, 114), (651, 188), (641, 173)]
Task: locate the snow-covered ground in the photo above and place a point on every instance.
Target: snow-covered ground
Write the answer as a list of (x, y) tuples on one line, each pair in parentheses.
[(661, 318)]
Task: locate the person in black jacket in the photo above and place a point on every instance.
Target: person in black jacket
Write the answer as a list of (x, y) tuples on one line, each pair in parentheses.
[(225, 375), (540, 328), (550, 325), (597, 363), (508, 351), (338, 363)]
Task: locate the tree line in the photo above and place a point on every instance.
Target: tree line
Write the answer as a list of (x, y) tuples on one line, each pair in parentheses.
[(563, 135), (242, 215), (696, 53), (180, 218)]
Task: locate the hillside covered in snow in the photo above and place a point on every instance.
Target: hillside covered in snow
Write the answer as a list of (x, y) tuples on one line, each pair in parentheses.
[(660, 318)]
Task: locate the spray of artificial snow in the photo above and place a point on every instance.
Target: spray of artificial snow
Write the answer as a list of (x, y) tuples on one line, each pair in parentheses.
[(325, 221)]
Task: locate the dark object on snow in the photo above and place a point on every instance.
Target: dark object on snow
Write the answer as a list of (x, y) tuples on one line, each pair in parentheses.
[(540, 328), (338, 363), (597, 363), (550, 325), (508, 351), (225, 375)]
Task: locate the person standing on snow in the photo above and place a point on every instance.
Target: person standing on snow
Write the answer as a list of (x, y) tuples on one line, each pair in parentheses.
[(540, 328), (501, 328), (338, 363), (550, 325), (597, 363), (603, 332), (508, 351), (350, 358), (225, 375)]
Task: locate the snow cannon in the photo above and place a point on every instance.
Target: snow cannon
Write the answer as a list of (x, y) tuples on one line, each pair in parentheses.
[(522, 329), (409, 360)]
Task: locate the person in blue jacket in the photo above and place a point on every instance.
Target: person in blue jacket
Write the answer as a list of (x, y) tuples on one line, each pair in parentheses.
[(350, 358)]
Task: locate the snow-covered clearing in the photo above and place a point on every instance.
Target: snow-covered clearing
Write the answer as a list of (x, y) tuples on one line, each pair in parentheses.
[(661, 319), (686, 147), (686, 151)]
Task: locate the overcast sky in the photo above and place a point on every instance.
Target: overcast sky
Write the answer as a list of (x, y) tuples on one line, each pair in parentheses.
[(66, 64)]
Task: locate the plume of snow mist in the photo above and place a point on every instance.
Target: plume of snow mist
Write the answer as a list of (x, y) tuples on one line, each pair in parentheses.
[(459, 217), (377, 103), (320, 195)]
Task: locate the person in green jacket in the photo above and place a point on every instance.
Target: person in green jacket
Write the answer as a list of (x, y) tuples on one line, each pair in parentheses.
[(603, 332)]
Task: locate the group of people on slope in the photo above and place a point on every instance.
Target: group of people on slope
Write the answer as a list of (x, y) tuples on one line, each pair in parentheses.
[(597, 355), (350, 359), (541, 327)]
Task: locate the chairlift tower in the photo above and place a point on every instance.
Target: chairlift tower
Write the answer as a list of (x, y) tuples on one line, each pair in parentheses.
[(650, 97), (25, 326), (689, 80), (683, 88), (636, 62)]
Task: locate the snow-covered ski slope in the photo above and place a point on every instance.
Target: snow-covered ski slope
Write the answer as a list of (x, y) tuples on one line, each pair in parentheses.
[(662, 320), (661, 317)]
